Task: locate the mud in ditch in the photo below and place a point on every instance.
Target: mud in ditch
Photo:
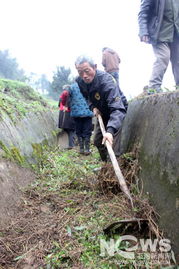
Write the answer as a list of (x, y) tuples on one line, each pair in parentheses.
[(63, 221)]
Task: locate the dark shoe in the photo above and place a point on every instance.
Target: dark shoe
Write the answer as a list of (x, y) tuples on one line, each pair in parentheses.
[(154, 91), (68, 148), (145, 90), (87, 152), (81, 151)]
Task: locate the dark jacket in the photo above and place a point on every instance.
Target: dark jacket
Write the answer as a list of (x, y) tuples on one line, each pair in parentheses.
[(150, 18), (105, 94)]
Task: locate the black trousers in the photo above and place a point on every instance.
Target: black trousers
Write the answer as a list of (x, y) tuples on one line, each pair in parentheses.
[(83, 127), (71, 137)]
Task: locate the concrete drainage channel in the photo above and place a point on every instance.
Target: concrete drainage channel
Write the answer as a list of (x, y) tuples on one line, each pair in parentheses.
[(158, 159)]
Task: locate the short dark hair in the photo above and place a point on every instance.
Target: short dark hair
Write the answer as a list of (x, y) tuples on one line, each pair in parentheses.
[(105, 48), (85, 59)]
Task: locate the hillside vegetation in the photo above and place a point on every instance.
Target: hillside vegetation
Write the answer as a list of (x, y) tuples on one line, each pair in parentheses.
[(17, 99)]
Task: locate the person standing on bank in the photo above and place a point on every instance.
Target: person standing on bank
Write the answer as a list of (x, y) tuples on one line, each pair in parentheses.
[(111, 61), (159, 25), (66, 122), (106, 99), (82, 116)]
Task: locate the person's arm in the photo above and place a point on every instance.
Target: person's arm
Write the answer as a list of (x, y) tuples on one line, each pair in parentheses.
[(64, 98), (145, 38), (59, 101), (107, 136), (124, 100), (116, 108), (143, 18)]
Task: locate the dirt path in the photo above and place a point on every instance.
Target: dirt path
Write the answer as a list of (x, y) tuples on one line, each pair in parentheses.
[(12, 179)]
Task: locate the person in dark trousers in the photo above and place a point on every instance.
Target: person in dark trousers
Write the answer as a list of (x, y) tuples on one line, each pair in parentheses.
[(82, 116), (66, 122), (159, 25), (111, 61), (106, 98)]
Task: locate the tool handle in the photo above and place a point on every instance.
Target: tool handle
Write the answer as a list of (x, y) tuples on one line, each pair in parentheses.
[(114, 161)]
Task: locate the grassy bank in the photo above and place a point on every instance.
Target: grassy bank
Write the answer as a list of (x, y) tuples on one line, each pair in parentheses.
[(66, 215), (17, 99)]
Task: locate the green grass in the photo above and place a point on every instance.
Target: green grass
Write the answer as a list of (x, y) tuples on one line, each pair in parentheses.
[(17, 99), (51, 102), (68, 175), (63, 214)]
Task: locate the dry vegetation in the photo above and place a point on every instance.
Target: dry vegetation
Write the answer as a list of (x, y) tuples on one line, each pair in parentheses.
[(65, 213)]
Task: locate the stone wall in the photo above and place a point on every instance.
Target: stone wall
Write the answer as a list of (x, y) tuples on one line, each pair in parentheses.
[(152, 124)]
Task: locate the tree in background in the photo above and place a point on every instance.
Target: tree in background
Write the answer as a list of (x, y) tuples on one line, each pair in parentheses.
[(45, 84), (33, 80), (39, 83), (9, 67), (61, 77)]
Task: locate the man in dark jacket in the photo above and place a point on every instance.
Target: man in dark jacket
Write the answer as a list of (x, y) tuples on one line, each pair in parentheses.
[(159, 25), (106, 98)]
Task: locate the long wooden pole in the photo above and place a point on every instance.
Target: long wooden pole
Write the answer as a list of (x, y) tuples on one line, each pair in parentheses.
[(115, 164)]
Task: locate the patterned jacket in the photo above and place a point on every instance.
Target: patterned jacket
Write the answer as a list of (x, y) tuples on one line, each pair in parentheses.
[(78, 104)]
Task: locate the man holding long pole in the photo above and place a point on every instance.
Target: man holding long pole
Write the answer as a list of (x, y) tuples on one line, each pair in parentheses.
[(106, 99)]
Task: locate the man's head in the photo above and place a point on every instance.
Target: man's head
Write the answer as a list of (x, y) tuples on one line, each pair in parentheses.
[(86, 68), (105, 48)]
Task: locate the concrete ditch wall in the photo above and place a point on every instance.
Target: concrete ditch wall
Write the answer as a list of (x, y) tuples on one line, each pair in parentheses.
[(152, 124), (34, 128)]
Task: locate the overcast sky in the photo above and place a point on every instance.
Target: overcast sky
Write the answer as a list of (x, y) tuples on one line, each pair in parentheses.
[(43, 34)]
